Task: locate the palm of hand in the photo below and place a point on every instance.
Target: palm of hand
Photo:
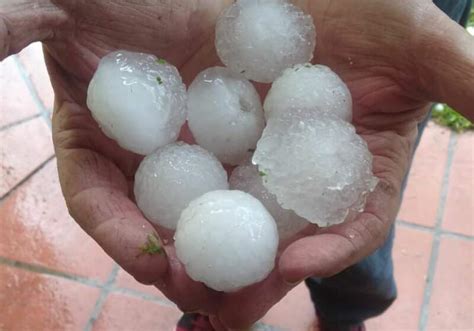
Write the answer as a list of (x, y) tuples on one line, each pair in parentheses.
[(362, 42)]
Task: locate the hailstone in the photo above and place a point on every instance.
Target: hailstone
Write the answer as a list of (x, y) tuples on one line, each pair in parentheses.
[(225, 114), (315, 88), (169, 179), (261, 38), (316, 165), (227, 240), (248, 179), (138, 100)]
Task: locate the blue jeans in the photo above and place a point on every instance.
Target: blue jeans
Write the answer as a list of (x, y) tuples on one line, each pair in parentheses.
[(368, 288)]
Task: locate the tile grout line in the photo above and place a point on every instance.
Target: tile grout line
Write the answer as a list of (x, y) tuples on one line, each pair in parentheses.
[(258, 326), (411, 225), (425, 308), (49, 272), (44, 113), (19, 122), (429, 229), (141, 295), (104, 293), (35, 268), (111, 288), (449, 234), (27, 177)]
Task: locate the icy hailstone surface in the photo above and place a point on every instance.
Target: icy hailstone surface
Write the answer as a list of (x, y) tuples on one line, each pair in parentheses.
[(227, 240), (169, 179), (225, 114), (261, 38), (316, 165), (309, 87), (247, 178), (137, 100)]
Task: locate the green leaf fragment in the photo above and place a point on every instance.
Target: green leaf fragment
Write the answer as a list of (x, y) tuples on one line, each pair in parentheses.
[(262, 174), (152, 246), (448, 117), (159, 80), (161, 61)]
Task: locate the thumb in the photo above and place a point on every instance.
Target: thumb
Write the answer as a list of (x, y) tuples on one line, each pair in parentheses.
[(326, 254), (336, 248), (445, 62), (23, 22)]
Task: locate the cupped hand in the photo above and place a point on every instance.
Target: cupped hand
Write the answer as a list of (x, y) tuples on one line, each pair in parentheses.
[(380, 48)]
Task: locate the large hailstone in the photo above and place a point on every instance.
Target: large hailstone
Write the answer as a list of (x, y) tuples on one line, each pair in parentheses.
[(227, 240), (138, 100), (225, 114), (248, 179), (261, 38), (316, 88), (316, 165), (169, 179)]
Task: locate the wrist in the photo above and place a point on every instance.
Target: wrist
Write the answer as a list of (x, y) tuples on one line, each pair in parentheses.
[(26, 21)]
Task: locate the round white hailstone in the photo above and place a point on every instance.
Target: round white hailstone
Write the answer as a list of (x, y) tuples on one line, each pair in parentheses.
[(248, 179), (138, 100), (225, 114), (316, 165), (227, 240), (169, 179), (261, 38), (315, 88)]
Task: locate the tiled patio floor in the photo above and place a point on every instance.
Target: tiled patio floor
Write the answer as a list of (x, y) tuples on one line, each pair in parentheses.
[(53, 277)]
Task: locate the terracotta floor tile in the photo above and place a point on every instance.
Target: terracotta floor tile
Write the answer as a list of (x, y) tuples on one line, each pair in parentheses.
[(36, 228), (459, 210), (125, 280), (452, 301), (294, 312), (16, 102), (32, 301), (124, 313), (23, 148), (411, 257), (422, 194), (33, 61)]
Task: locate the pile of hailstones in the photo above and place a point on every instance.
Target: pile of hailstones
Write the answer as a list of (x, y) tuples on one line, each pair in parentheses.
[(298, 158)]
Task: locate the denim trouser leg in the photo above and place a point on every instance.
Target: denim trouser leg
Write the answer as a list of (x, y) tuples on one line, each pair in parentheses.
[(368, 288)]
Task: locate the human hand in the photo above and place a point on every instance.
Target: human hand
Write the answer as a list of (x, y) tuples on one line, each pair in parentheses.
[(380, 48), (95, 173), (396, 59)]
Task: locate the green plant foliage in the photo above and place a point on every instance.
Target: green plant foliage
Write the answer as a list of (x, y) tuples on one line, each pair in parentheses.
[(445, 116)]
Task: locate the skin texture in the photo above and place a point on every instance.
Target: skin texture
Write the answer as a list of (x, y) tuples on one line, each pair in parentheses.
[(393, 55)]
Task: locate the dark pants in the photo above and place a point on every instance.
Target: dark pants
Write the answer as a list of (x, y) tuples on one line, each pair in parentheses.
[(368, 288)]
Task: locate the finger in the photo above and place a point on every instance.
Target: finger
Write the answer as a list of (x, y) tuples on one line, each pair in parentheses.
[(217, 324), (245, 307), (23, 22), (189, 295), (242, 309), (309, 230), (97, 197), (336, 248), (445, 61)]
